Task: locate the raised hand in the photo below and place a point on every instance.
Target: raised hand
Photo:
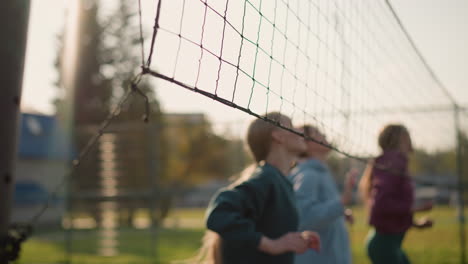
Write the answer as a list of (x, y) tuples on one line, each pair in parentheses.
[(351, 178), (313, 240), (349, 184), (349, 216), (423, 222)]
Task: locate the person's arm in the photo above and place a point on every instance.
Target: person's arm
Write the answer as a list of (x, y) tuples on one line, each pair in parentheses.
[(297, 242), (349, 184), (232, 214), (314, 213), (349, 216), (423, 223)]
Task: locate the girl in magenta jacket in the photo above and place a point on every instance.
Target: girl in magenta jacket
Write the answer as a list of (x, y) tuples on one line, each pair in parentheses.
[(387, 190)]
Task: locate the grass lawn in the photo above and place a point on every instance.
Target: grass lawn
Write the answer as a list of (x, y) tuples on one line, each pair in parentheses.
[(436, 246), (439, 245)]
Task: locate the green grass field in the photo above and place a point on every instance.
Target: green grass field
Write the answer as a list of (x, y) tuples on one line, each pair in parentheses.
[(438, 245)]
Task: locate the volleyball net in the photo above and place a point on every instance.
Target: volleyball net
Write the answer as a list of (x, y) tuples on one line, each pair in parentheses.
[(346, 67)]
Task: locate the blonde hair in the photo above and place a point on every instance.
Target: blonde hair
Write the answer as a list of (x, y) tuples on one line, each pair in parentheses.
[(389, 139), (209, 252), (259, 135), (365, 184), (211, 249)]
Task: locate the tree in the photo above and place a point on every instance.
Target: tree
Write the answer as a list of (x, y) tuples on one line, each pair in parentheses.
[(196, 155), (108, 58), (185, 153), (435, 163)]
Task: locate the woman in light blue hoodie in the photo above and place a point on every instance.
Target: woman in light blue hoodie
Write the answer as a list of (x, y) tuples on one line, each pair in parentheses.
[(321, 208)]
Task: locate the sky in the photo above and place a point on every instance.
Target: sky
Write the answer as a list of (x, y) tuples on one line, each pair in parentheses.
[(438, 28)]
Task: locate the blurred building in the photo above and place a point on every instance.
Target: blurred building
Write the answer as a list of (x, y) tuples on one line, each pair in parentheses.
[(43, 159), (441, 188), (200, 195)]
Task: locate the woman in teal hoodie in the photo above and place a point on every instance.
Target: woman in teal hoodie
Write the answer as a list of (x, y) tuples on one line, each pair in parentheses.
[(256, 220)]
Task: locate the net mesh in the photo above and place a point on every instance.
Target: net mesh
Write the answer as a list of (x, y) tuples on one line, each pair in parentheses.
[(346, 67)]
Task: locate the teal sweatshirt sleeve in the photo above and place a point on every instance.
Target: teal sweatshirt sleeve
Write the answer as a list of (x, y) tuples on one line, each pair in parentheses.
[(314, 213), (233, 212)]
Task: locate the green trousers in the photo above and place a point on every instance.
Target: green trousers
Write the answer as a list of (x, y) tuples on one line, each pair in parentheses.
[(386, 248)]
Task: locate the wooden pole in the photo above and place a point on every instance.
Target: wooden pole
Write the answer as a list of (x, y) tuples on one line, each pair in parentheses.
[(14, 16)]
